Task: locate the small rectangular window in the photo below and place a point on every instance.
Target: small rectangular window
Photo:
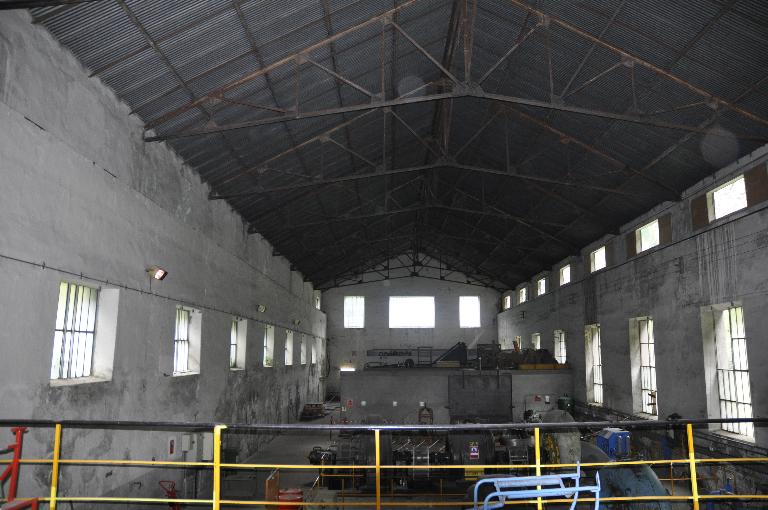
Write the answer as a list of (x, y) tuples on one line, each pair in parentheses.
[(317, 299), (315, 342), (354, 312), (647, 236), (522, 295), (303, 353), (186, 341), (541, 286), (536, 341), (269, 345), (560, 349), (507, 302), (237, 336), (412, 312), (727, 199), (469, 311), (288, 348), (597, 260), (565, 274), (594, 364), (73, 339)]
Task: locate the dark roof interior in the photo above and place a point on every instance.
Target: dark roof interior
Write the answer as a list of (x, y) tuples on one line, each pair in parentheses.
[(497, 136)]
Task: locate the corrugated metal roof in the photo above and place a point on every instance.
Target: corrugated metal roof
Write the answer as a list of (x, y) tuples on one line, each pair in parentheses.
[(201, 48)]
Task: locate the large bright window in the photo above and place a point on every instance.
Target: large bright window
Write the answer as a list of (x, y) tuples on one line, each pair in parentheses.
[(647, 236), (507, 302), (541, 286), (469, 311), (412, 312), (565, 274), (728, 198), (73, 337), (186, 341), (734, 390), (522, 295), (594, 364), (597, 260), (354, 312), (560, 349)]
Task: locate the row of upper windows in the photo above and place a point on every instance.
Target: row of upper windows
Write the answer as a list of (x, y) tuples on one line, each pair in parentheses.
[(411, 312), (717, 203), (85, 334)]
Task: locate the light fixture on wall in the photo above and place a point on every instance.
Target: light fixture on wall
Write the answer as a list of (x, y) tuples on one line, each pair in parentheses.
[(347, 368), (261, 308), (158, 273)]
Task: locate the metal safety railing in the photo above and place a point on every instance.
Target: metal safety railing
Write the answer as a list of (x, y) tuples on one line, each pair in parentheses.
[(216, 465)]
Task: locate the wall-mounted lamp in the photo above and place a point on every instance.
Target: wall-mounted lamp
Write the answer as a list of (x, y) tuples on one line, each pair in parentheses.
[(158, 273), (261, 308)]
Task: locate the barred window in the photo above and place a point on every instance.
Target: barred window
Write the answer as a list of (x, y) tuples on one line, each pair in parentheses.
[(647, 365), (181, 341), (733, 370), (73, 339), (594, 365), (560, 351)]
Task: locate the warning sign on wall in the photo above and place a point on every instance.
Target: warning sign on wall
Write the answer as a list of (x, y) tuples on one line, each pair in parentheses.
[(474, 450)]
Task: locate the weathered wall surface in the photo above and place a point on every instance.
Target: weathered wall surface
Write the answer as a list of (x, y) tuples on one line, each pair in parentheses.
[(82, 192), (348, 346), (722, 263), (451, 394)]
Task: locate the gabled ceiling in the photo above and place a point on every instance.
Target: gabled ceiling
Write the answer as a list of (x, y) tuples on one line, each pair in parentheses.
[(499, 136)]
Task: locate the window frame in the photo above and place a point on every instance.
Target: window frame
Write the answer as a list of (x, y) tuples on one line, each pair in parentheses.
[(541, 286), (288, 348), (735, 367), (268, 347), (639, 233), (186, 351), (522, 295), (560, 349), (594, 371), (507, 302), (536, 341), (70, 324), (712, 202), (238, 332), (465, 301), (562, 271), (643, 366), (593, 256), (354, 312)]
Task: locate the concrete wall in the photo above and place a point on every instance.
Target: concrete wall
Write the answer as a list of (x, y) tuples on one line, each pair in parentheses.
[(85, 197), (348, 346), (722, 263), (451, 394)]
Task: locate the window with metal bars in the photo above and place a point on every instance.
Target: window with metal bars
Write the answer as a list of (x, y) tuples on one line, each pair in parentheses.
[(181, 341), (560, 351), (269, 345), (648, 390), (733, 370), (73, 338), (233, 344), (594, 365)]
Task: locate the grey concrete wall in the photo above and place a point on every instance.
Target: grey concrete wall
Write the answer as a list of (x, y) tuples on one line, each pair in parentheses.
[(81, 192), (348, 346), (725, 262), (449, 393)]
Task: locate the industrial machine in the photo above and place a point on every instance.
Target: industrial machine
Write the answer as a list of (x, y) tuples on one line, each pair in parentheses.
[(614, 442)]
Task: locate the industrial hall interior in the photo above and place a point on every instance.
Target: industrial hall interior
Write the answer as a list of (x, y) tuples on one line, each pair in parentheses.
[(380, 254)]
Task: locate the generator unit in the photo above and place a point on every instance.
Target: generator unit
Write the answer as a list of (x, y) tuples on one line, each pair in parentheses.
[(614, 442)]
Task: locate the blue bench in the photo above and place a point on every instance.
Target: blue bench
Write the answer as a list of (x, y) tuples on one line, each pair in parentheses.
[(531, 487)]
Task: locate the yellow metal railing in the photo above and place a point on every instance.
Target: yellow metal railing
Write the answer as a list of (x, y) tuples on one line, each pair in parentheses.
[(216, 466)]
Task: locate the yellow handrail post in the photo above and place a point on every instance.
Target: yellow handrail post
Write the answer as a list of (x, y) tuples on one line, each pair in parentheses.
[(55, 466), (378, 468), (537, 450), (692, 463), (217, 466)]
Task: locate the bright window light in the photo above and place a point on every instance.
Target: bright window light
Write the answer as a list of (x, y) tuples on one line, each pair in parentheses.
[(597, 259), (269, 345), (522, 295), (288, 351), (507, 302), (647, 236), (354, 312), (536, 341), (469, 311), (74, 333), (412, 312), (728, 198), (560, 348), (541, 286), (565, 274)]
